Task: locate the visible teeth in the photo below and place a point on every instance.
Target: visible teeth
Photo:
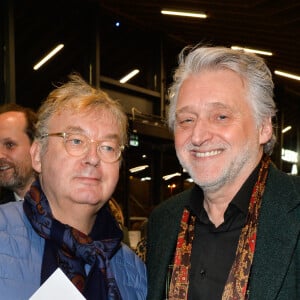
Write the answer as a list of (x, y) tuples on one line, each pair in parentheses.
[(206, 154), (3, 168)]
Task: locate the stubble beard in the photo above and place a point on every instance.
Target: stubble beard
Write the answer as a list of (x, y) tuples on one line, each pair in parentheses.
[(227, 175), (15, 180)]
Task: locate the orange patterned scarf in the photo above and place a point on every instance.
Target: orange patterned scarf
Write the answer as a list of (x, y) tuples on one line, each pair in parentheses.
[(236, 287)]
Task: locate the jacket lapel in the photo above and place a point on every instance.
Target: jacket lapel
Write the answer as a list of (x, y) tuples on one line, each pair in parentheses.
[(278, 231), (166, 228)]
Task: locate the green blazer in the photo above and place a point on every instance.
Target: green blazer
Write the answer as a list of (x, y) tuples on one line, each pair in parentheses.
[(276, 266)]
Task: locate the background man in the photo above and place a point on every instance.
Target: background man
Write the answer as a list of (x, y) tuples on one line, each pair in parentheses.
[(17, 126)]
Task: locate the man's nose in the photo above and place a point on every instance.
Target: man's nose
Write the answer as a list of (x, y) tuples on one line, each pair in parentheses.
[(3, 151), (201, 132), (92, 155)]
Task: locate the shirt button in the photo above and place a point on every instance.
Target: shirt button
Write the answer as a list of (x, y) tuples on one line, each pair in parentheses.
[(202, 273)]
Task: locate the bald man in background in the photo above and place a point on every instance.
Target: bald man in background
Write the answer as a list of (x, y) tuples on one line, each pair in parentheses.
[(17, 124)]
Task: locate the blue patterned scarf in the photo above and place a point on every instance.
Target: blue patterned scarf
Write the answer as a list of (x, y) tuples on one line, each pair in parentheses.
[(71, 250)]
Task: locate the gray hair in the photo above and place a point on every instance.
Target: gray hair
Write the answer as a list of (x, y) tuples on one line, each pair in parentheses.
[(76, 95), (250, 67)]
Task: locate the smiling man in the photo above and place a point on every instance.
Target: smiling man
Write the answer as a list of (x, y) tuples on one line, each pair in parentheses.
[(235, 234), (17, 126), (65, 221)]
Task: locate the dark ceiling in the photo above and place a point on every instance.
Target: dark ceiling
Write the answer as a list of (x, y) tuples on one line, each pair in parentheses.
[(260, 24), (271, 25), (268, 25)]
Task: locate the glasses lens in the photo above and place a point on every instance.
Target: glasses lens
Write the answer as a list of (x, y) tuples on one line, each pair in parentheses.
[(109, 151), (76, 144)]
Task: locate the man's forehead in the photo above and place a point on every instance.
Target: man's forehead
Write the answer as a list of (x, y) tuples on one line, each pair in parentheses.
[(12, 123), (13, 116)]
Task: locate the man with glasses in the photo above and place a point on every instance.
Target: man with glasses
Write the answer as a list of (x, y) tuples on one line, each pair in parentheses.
[(65, 221)]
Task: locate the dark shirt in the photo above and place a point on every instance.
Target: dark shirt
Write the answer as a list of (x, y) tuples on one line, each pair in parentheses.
[(6, 196), (213, 250)]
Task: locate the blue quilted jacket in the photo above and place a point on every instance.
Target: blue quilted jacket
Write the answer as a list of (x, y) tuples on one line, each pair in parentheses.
[(21, 252)]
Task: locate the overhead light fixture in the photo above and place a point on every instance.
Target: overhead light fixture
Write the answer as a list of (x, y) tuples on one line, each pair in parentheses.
[(129, 76), (48, 56), (288, 75), (147, 178), (261, 52), (167, 177), (184, 14), (286, 129), (294, 170), (189, 180), (289, 155), (139, 168)]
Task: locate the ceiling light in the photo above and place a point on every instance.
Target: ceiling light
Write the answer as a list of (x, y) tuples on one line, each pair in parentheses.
[(48, 56), (189, 180), (167, 177), (288, 75), (289, 155), (139, 168), (184, 14), (129, 76), (286, 129), (261, 52), (294, 170)]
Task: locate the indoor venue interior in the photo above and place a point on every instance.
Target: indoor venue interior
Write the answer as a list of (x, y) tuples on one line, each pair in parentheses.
[(104, 40)]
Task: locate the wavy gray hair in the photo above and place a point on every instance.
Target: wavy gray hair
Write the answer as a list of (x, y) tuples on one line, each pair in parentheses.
[(250, 67)]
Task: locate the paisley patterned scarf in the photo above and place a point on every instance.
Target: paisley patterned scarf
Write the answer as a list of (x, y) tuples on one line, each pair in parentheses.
[(72, 250), (237, 284)]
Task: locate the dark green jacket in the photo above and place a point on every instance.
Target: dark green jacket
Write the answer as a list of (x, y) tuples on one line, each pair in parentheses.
[(276, 265)]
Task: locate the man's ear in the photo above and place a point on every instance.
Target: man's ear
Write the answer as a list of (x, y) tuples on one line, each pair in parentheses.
[(266, 131), (35, 152)]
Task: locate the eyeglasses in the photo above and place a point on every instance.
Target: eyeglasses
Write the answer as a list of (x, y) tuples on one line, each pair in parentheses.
[(78, 144)]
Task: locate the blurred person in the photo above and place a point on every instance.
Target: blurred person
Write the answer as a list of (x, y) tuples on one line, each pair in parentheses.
[(235, 233), (16, 136), (65, 221)]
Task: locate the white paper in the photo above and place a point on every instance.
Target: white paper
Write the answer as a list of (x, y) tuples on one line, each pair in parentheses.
[(59, 287)]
